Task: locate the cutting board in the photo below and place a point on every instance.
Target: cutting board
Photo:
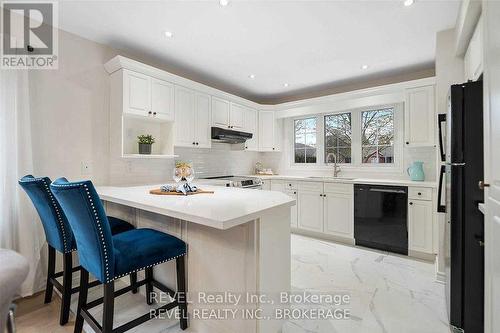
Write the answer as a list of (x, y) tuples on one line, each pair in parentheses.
[(158, 191)]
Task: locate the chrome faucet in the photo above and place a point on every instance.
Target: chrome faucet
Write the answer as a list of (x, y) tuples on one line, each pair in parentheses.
[(336, 168)]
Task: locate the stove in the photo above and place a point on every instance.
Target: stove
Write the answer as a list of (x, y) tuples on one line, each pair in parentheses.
[(237, 181)]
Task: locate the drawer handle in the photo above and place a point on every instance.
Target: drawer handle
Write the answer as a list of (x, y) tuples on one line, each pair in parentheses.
[(419, 193), (411, 203)]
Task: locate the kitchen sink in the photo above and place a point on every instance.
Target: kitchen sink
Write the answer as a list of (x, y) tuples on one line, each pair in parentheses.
[(330, 178)]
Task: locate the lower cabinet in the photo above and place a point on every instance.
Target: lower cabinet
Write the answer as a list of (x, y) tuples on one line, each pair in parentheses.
[(420, 218), (293, 221), (310, 211), (338, 214), (266, 184)]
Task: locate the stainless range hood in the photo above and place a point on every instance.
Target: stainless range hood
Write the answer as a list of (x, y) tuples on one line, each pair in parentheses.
[(229, 136)]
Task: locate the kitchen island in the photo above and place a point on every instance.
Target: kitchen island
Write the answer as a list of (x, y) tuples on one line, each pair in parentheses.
[(238, 243)]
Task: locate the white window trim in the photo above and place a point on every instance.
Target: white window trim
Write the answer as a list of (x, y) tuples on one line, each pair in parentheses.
[(356, 164)]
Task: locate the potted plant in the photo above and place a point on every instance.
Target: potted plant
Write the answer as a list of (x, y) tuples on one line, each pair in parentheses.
[(145, 143)]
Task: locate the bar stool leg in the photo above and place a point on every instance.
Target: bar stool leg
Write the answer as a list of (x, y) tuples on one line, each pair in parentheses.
[(67, 285), (51, 268), (181, 291), (82, 299), (133, 281), (109, 305), (149, 285)]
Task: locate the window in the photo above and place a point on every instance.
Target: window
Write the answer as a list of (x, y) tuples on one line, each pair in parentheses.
[(305, 140), (377, 136), (338, 131)]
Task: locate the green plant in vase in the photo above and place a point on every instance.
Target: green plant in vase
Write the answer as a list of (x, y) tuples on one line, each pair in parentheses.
[(145, 143)]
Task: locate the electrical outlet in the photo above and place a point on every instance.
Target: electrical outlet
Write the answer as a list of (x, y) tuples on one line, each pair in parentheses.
[(86, 168)]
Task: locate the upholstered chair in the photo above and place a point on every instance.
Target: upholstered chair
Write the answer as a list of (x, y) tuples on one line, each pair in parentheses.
[(109, 257), (60, 238)]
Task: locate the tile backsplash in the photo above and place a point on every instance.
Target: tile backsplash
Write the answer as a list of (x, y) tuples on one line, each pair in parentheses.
[(221, 159)]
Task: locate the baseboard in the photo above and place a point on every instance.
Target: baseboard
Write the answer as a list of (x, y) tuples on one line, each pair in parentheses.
[(320, 235)]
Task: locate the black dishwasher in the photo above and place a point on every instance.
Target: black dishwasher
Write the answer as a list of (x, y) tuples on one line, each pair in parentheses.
[(380, 217)]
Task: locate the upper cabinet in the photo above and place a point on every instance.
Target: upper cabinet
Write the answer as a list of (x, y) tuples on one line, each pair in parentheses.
[(220, 112), (192, 119), (147, 97), (419, 116), (250, 125), (473, 60), (269, 132), (227, 114)]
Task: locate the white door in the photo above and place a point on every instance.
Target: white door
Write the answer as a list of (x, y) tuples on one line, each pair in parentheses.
[(310, 211), (184, 125), (202, 121), (266, 131), (220, 112), (420, 215), (419, 116), (339, 214), (293, 215), (137, 93), (250, 126), (162, 100), (491, 32), (236, 114)]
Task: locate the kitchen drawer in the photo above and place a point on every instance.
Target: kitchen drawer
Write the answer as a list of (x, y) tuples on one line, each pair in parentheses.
[(420, 193), (311, 186), (290, 185), (339, 188)]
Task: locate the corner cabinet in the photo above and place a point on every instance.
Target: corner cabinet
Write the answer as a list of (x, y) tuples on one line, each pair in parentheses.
[(420, 116), (147, 97), (269, 132), (192, 119)]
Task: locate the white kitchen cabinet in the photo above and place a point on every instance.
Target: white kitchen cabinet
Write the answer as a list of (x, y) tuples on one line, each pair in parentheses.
[(147, 97), (310, 210), (162, 99), (420, 225), (184, 117), (473, 60), (236, 116), (220, 112), (294, 208), (269, 132), (339, 214), (250, 125), (266, 184), (420, 116), (192, 119), (203, 135), (278, 185)]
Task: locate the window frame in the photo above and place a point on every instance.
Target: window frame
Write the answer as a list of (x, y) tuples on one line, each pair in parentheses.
[(305, 140), (356, 144)]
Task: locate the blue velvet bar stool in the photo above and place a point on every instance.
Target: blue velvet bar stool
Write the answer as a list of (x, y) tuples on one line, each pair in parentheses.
[(60, 238), (109, 257)]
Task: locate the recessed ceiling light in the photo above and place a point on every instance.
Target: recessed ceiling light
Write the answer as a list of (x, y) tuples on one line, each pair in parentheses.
[(169, 34), (224, 3), (285, 85), (408, 3), (364, 67), (252, 76)]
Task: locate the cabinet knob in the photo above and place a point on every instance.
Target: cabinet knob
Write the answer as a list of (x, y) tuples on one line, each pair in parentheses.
[(294, 192), (407, 143), (273, 148), (482, 185), (154, 113), (197, 143), (194, 143), (149, 112), (419, 193), (411, 203)]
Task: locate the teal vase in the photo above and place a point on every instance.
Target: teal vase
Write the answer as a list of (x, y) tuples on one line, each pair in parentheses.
[(416, 171)]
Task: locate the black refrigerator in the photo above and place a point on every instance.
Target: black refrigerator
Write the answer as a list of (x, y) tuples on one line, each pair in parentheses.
[(459, 194)]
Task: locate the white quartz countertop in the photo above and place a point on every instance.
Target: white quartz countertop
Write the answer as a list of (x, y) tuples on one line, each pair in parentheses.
[(225, 208), (352, 180)]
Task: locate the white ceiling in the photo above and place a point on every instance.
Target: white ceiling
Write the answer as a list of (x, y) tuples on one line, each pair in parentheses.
[(304, 43)]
